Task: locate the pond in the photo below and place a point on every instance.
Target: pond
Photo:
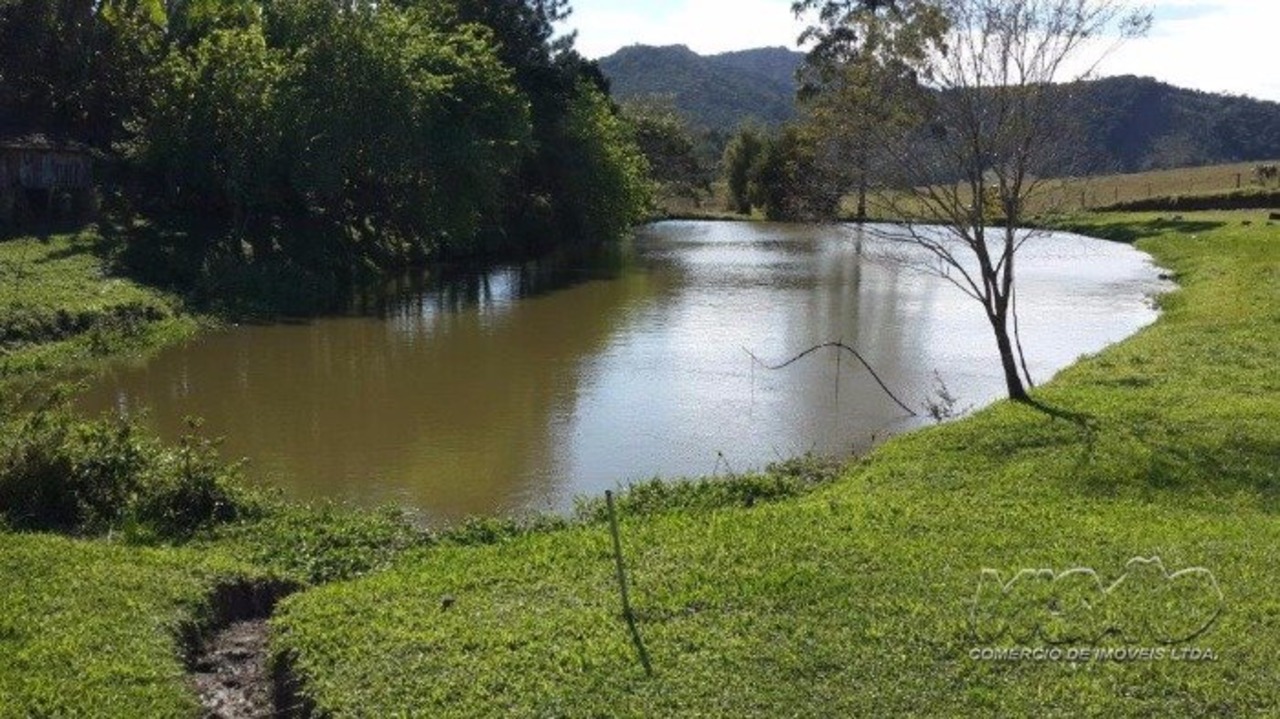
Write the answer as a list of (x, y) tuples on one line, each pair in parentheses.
[(518, 388)]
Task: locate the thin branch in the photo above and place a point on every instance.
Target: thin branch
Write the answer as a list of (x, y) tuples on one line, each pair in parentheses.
[(846, 348)]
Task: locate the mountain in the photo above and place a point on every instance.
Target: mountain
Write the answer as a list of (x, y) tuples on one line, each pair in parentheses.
[(1130, 123), (716, 92)]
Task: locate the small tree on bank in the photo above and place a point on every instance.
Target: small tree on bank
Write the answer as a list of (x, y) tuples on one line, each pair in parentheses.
[(741, 157), (988, 121)]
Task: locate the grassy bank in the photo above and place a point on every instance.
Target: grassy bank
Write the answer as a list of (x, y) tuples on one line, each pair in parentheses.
[(859, 600), (62, 307), (89, 629)]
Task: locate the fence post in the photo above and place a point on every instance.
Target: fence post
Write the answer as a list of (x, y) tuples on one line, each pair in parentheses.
[(622, 587)]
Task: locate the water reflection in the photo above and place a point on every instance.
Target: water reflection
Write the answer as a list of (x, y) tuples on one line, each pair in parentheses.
[(517, 388)]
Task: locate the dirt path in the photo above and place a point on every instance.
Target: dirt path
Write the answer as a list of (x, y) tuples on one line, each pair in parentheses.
[(231, 674)]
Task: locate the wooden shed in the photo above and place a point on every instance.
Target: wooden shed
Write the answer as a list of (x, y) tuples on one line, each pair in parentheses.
[(44, 176)]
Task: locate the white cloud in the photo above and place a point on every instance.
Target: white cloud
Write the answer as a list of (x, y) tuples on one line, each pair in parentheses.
[(1214, 45), (706, 26), (1218, 46)]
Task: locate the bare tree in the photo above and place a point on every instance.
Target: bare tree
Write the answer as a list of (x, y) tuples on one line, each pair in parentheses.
[(989, 126)]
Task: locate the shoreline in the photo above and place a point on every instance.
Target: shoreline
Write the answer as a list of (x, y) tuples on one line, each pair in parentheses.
[(775, 544)]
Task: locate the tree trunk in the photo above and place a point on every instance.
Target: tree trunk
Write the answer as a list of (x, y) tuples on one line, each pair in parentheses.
[(862, 197), (1008, 360), (863, 160)]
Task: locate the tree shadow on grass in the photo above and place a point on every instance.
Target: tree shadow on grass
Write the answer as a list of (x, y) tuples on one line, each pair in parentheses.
[(43, 229), (1154, 459), (1080, 419), (1130, 231), (1149, 456)]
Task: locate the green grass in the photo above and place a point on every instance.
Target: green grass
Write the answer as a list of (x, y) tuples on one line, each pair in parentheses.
[(62, 308), (91, 629), (855, 600)]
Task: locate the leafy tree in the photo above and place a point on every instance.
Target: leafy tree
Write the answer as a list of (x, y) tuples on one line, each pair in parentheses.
[(670, 149), (741, 156), (792, 181), (852, 107), (187, 22), (394, 131), (76, 67), (425, 169), (213, 131), (603, 168)]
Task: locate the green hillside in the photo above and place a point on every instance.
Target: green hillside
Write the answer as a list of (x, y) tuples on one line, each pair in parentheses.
[(715, 92), (1130, 124)]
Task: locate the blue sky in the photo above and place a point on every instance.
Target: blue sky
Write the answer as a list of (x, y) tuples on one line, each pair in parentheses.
[(1216, 45)]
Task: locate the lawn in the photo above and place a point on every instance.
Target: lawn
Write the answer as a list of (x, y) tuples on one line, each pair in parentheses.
[(92, 629), (62, 306), (862, 598)]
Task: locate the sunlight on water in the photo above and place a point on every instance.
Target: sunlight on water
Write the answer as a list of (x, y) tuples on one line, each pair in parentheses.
[(516, 389)]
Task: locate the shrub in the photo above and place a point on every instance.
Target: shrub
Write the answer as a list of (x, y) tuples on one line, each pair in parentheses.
[(37, 475), (188, 488), (65, 474)]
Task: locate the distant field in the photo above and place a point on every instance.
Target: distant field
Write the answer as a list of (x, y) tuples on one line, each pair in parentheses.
[(1088, 193), (1066, 195), (1091, 192)]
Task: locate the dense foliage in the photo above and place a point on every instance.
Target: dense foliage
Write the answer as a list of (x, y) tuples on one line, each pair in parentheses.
[(674, 150), (789, 175), (60, 473), (333, 135)]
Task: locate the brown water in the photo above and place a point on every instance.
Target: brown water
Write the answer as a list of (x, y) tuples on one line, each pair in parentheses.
[(519, 388)]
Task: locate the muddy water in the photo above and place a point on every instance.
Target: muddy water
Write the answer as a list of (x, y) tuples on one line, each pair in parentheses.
[(518, 388)]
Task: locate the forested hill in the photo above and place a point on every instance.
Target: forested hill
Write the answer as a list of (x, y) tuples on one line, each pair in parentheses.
[(1130, 123), (1136, 123), (716, 91)]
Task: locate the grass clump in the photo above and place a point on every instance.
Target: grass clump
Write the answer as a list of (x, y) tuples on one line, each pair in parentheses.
[(780, 480), (312, 545), (860, 598)]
